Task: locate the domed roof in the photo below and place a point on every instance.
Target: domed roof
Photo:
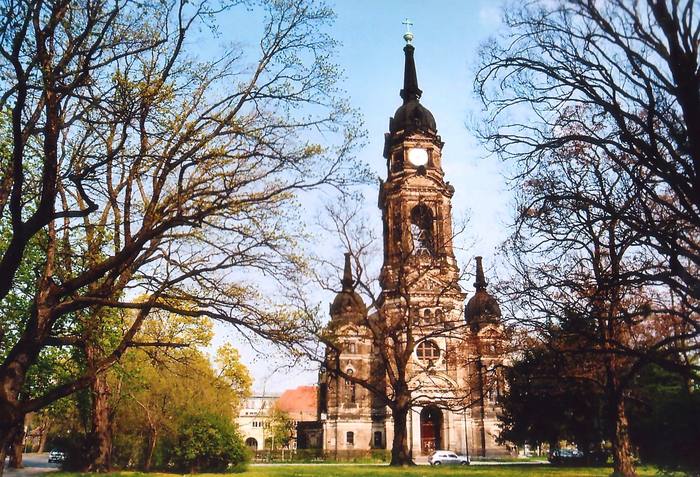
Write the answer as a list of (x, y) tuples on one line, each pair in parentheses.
[(347, 307), (411, 115), (482, 307), (348, 302)]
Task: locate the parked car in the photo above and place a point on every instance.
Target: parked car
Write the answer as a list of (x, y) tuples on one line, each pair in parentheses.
[(56, 457), (566, 457), (444, 457)]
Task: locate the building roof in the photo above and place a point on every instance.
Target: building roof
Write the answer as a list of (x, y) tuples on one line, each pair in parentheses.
[(300, 403)]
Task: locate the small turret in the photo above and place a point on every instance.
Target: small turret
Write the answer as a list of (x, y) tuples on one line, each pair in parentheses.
[(482, 308), (348, 306)]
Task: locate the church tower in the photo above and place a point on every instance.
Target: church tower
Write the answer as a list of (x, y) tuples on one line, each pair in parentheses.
[(450, 360), (415, 200), (453, 360)]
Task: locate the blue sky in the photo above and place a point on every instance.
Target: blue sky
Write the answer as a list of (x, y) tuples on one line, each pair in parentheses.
[(448, 34)]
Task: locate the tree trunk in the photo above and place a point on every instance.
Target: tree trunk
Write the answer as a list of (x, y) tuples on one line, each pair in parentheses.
[(2, 456), (21, 356), (45, 426), (150, 450), (17, 447), (9, 419), (100, 440), (623, 460), (400, 453)]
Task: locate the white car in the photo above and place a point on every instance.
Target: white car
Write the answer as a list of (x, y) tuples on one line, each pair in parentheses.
[(443, 457), (56, 457)]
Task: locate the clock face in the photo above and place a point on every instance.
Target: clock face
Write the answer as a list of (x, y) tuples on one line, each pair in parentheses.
[(418, 156)]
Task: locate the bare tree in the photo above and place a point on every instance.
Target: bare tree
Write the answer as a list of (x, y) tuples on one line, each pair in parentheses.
[(577, 283), (626, 75), (165, 181)]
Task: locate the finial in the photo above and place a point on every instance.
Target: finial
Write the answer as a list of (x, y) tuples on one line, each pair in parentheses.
[(408, 36), (347, 273), (480, 283)]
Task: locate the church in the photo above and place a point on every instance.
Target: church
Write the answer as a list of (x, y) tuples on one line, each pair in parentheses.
[(419, 335)]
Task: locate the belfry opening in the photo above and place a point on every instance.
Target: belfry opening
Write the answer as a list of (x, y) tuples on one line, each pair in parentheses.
[(422, 229)]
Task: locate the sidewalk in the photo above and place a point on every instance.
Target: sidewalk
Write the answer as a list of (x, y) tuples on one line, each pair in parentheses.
[(34, 464)]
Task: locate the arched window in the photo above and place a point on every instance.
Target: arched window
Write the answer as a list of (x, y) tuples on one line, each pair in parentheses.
[(422, 229), (427, 315), (251, 443)]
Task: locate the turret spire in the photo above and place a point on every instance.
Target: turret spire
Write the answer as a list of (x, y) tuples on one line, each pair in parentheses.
[(480, 283), (347, 274)]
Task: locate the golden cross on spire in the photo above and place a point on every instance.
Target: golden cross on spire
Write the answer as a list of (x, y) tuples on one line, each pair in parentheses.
[(408, 36)]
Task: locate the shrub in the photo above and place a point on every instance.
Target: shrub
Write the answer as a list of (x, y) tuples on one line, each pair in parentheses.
[(208, 442)]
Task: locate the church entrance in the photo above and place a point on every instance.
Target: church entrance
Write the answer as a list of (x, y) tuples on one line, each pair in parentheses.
[(430, 429)]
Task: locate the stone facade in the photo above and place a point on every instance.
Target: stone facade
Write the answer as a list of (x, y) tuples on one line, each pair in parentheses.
[(454, 369)]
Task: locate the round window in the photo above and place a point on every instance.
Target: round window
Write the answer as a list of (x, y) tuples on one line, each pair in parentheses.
[(427, 351)]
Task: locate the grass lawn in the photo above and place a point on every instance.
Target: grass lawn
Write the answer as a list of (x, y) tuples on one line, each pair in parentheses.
[(380, 471)]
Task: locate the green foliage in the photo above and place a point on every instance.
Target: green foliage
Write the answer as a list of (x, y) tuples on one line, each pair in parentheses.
[(208, 442), (543, 406), (664, 419), (232, 373), (154, 391), (281, 428), (159, 386)]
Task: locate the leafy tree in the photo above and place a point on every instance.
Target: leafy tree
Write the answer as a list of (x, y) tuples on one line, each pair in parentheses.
[(208, 442), (159, 171), (153, 389), (663, 417), (165, 383), (281, 428), (232, 373), (543, 404)]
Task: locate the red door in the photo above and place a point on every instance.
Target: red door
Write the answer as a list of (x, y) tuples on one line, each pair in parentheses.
[(430, 424)]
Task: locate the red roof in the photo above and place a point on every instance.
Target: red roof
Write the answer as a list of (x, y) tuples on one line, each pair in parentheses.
[(299, 403)]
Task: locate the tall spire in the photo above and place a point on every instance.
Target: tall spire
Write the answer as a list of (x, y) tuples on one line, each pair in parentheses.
[(410, 79), (411, 115), (480, 283), (347, 274)]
